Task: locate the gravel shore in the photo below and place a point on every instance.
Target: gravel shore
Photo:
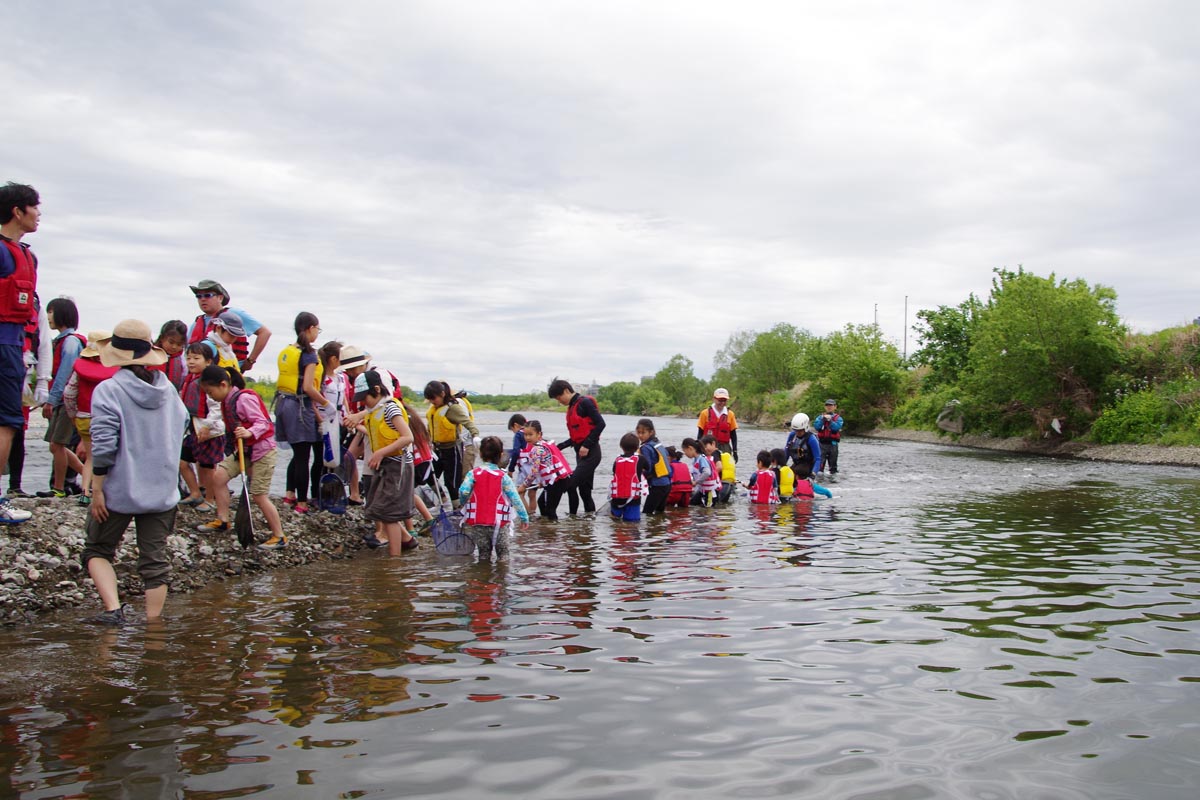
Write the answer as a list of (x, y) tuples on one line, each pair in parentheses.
[(40, 569)]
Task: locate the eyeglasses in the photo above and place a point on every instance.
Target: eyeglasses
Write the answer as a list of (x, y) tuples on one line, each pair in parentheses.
[(206, 295)]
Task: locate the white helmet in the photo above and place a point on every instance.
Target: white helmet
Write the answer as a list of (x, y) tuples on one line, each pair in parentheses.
[(800, 422)]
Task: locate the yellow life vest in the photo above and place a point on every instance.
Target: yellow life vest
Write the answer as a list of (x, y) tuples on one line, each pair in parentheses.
[(441, 430), (289, 371), (728, 468), (227, 363), (380, 432), (787, 482)]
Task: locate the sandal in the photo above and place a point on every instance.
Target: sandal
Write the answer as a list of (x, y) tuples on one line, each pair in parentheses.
[(300, 508), (206, 508), (84, 500), (289, 501), (191, 501)]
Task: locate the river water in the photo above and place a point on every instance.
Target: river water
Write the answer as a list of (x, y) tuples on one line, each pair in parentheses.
[(951, 624)]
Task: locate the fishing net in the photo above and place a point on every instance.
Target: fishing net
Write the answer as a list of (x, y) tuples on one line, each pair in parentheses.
[(448, 537)]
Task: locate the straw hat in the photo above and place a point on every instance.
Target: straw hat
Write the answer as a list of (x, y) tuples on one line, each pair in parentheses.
[(131, 344), (352, 357), (95, 339)]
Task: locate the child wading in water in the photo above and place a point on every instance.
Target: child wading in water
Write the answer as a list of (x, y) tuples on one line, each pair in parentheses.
[(204, 444), (654, 464), (762, 482), (549, 471), (390, 498), (491, 501), (681, 481), (628, 487), (705, 480), (247, 420)]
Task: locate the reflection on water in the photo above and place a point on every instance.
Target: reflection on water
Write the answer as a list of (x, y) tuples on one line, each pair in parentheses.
[(951, 624)]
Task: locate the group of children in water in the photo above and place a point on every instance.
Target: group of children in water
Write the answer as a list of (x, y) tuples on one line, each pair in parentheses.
[(649, 477)]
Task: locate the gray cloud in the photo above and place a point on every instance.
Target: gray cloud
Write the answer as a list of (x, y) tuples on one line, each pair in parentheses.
[(498, 194)]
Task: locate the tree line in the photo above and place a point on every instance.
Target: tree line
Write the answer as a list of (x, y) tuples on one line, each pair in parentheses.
[(1039, 356)]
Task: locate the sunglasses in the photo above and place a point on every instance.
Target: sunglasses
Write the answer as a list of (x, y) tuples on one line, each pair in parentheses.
[(206, 295)]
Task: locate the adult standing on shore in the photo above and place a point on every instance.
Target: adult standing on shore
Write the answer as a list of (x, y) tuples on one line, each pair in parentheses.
[(138, 422), (213, 299), (584, 426), (20, 213), (718, 422), (828, 427)]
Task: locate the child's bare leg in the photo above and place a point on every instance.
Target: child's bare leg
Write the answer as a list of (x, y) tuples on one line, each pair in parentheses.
[(221, 493), (189, 478), (421, 507), (206, 480), (271, 513), (396, 536), (86, 473)]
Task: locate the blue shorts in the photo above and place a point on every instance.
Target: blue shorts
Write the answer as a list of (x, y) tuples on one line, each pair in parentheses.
[(12, 382), (632, 512)]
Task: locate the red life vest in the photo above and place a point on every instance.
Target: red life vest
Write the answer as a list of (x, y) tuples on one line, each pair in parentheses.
[(803, 489), (826, 435), (58, 345), (90, 372), (488, 504), (713, 484), (625, 481), (194, 398), (559, 468), (233, 418), (201, 330), (579, 427), (717, 425), (763, 490), (681, 477), (18, 299), (421, 454)]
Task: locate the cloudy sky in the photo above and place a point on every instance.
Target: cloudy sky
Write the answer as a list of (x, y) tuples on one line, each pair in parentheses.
[(496, 193)]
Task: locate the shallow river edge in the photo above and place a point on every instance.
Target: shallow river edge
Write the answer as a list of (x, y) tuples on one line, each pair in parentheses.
[(40, 570)]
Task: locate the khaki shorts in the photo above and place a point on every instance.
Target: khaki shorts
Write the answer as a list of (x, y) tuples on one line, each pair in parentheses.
[(83, 425), (261, 472), (61, 428)]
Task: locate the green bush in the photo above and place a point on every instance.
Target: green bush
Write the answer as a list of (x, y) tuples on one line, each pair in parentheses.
[(1140, 417)]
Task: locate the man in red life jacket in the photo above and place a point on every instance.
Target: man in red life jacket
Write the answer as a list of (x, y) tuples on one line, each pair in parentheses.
[(20, 214), (718, 422), (584, 426), (213, 299)]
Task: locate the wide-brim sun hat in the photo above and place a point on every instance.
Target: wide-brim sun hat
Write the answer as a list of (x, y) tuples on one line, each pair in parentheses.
[(132, 344), (96, 340), (351, 357)]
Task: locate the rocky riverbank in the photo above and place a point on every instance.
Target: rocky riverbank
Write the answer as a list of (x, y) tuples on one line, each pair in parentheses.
[(40, 569), (1057, 448)]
